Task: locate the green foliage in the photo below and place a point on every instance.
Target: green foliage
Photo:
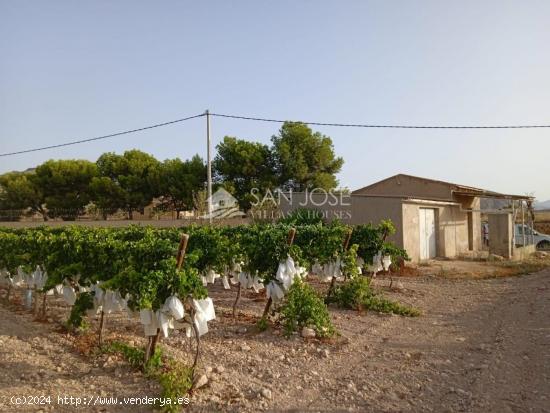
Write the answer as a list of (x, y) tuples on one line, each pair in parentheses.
[(108, 196), (262, 324), (264, 247), (304, 308), (177, 182), (84, 301), (305, 159), (372, 239), (215, 248), (175, 378), (349, 262), (65, 185), (241, 166), (321, 243), (357, 294), (149, 274), (17, 193), (133, 355), (176, 383), (139, 262), (130, 187)]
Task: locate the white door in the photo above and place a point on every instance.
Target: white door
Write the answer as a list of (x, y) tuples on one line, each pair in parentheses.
[(427, 233)]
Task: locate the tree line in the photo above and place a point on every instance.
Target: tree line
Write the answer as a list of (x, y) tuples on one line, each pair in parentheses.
[(297, 159)]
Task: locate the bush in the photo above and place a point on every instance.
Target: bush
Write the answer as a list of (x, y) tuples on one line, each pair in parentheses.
[(176, 383), (304, 308), (84, 301), (358, 295), (134, 356), (175, 378)]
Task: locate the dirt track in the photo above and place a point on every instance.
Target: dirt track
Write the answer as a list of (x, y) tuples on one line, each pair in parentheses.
[(480, 346)]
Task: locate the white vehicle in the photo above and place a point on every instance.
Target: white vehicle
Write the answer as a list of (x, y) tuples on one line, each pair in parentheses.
[(542, 241)]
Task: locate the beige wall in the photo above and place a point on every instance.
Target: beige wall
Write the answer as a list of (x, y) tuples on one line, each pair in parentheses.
[(409, 186), (451, 221), (500, 234), (476, 223), (363, 210), (376, 209), (451, 229), (329, 209), (411, 230)]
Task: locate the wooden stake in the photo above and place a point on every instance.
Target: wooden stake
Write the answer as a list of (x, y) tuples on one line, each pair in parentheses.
[(36, 306), (180, 259), (236, 300), (197, 338), (148, 350), (44, 306), (101, 325)]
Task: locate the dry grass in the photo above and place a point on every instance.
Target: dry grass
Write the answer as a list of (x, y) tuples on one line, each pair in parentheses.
[(482, 269), (531, 265), (542, 216), (542, 221), (543, 227)]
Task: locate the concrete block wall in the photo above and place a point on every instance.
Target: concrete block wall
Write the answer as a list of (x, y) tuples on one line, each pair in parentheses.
[(500, 235)]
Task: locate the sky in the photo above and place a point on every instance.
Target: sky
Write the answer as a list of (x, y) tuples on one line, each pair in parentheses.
[(72, 70)]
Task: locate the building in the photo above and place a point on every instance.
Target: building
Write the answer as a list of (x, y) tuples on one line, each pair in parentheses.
[(433, 218)]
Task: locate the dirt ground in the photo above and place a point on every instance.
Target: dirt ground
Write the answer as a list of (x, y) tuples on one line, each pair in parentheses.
[(480, 345)]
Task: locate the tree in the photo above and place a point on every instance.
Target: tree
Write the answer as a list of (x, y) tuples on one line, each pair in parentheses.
[(65, 185), (107, 195), (130, 187), (241, 166), (177, 182), (305, 159), (18, 193)]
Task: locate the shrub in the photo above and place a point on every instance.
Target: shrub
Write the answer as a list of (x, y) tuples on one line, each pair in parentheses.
[(84, 301), (175, 378), (134, 356), (176, 383), (304, 308), (358, 295)]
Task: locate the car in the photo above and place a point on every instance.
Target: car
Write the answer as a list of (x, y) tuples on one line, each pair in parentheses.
[(542, 241)]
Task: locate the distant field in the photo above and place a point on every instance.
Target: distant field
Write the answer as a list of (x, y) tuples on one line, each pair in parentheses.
[(542, 221), (542, 216)]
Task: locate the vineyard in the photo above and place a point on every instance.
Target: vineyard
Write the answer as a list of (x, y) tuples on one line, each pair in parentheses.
[(161, 278)]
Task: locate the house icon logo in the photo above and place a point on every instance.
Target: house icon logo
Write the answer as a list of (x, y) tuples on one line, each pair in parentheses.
[(224, 205)]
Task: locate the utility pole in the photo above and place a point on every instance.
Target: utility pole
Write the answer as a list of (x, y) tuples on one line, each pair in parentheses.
[(208, 165)]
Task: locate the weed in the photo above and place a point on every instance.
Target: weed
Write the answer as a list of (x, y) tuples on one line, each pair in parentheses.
[(176, 382), (262, 324), (304, 308), (175, 378), (523, 267), (357, 294), (134, 356)]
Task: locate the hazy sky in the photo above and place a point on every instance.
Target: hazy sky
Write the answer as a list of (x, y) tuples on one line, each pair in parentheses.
[(72, 70)]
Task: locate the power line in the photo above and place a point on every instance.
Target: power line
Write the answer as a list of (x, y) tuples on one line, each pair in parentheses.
[(250, 118), (362, 125), (158, 125)]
